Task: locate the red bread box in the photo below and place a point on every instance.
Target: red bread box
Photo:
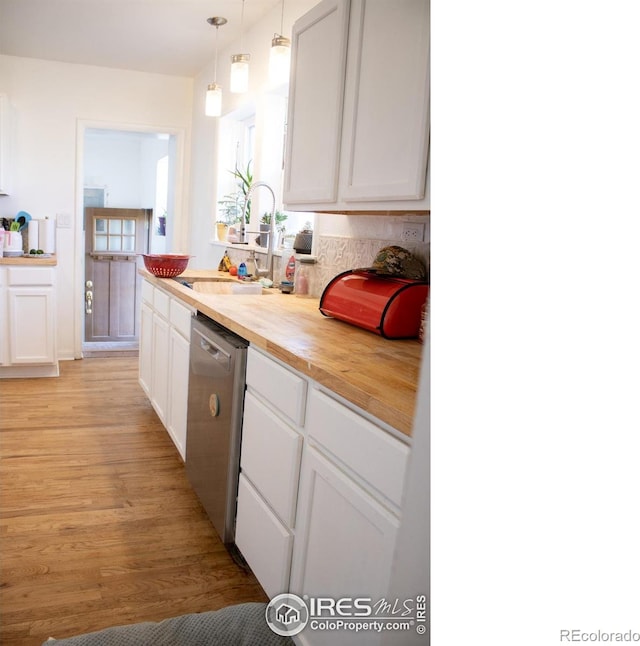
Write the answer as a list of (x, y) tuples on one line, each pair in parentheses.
[(386, 305)]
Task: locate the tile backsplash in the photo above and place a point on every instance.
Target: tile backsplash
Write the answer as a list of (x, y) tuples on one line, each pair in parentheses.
[(348, 242), (338, 253)]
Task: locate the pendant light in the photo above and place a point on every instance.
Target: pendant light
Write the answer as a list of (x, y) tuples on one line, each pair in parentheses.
[(239, 82), (213, 100), (280, 56)]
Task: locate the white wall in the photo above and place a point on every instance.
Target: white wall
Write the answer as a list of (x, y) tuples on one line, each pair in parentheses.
[(49, 100)]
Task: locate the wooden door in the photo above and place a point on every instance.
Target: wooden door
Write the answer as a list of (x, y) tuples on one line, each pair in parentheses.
[(113, 240)]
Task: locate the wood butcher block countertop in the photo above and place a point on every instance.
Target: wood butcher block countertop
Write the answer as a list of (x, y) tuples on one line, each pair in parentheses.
[(29, 260), (376, 374)]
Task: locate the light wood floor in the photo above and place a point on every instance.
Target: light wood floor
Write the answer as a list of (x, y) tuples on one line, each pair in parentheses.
[(98, 523)]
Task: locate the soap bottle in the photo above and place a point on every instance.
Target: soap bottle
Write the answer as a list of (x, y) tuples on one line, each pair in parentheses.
[(290, 271), (242, 271), (305, 279)]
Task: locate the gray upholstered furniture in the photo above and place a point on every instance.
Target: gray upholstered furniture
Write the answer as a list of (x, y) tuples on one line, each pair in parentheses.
[(239, 625)]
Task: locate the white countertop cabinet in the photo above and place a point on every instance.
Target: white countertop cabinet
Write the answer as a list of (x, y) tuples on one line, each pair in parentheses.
[(320, 490), (358, 123), (270, 468), (164, 359), (28, 321)]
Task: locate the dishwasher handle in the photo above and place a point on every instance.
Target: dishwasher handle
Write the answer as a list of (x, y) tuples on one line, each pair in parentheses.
[(213, 350)]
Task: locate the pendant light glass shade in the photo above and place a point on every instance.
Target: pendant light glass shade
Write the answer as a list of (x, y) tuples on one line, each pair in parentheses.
[(213, 101), (279, 60), (239, 73), (239, 82)]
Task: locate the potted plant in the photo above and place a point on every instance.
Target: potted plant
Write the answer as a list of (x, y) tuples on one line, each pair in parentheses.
[(265, 225)]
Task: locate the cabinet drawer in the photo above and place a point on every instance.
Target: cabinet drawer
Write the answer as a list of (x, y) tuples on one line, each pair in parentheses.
[(279, 386), (31, 276), (180, 318), (270, 457), (161, 302), (147, 292), (373, 454), (263, 540)]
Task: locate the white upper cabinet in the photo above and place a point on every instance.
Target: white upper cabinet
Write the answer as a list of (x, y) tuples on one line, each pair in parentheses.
[(358, 126), (316, 88)]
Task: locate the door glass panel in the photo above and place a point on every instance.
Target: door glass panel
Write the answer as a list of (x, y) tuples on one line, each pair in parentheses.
[(115, 234), (128, 243), (115, 243)]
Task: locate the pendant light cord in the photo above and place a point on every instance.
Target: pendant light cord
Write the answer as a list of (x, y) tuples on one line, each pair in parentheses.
[(242, 28), (282, 18), (215, 69)]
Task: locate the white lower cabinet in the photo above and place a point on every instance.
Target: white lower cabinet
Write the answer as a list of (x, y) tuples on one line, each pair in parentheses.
[(145, 354), (319, 498), (270, 468), (176, 420), (164, 359), (160, 375), (28, 344), (344, 543), (265, 542)]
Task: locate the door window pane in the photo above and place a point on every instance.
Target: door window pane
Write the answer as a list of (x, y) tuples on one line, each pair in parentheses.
[(115, 235), (115, 243), (128, 243)]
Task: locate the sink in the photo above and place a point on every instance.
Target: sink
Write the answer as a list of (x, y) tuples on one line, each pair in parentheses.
[(220, 285)]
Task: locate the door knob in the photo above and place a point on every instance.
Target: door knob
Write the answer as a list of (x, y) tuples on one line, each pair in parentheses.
[(89, 284)]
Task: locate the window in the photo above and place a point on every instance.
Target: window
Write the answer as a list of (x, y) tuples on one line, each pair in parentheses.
[(114, 235)]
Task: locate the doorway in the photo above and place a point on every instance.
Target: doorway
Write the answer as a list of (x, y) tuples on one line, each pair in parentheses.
[(128, 179), (114, 238)]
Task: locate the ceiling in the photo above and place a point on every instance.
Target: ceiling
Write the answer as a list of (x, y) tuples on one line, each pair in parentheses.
[(161, 36)]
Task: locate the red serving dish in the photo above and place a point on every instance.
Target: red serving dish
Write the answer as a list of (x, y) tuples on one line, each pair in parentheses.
[(388, 306)]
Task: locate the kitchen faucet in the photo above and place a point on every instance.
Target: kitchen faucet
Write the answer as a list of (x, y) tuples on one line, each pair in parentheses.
[(268, 271)]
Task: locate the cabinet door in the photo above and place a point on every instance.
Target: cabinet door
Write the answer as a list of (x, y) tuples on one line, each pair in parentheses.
[(386, 106), (344, 540), (263, 540), (31, 325), (160, 375), (145, 355), (270, 457), (319, 43), (178, 389)]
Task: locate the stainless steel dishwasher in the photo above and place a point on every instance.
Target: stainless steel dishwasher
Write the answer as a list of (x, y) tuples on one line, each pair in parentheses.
[(217, 366)]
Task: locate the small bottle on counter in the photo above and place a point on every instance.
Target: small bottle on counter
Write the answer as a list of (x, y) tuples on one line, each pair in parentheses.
[(290, 270), (305, 279), (242, 271)]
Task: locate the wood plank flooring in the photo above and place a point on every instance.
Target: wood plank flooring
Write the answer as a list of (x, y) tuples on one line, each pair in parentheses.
[(98, 523)]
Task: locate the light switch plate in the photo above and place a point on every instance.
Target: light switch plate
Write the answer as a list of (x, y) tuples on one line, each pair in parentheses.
[(63, 220)]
